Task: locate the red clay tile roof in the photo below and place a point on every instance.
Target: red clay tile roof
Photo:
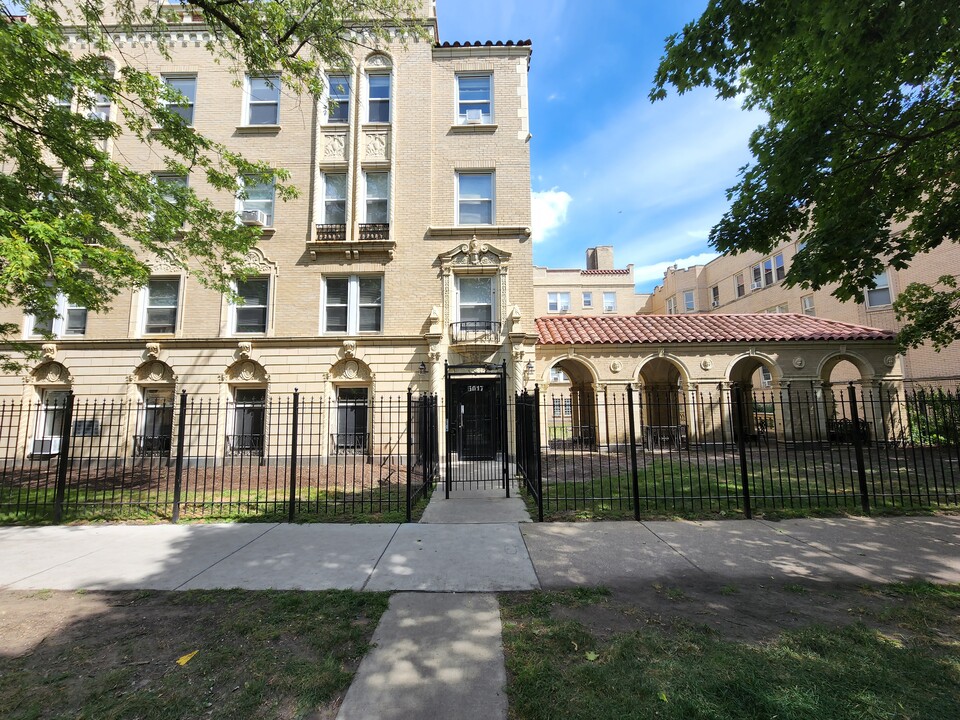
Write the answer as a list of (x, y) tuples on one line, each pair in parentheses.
[(623, 271), (640, 329)]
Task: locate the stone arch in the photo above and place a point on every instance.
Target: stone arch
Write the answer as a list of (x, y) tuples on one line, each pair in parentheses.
[(378, 59), (743, 369), (572, 410), (154, 372), (579, 370), (246, 372), (51, 374), (759, 411), (663, 380), (830, 362)]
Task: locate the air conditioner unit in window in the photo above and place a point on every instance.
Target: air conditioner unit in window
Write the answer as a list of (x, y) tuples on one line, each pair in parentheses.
[(45, 447), (715, 303), (474, 117), (756, 285), (253, 217)]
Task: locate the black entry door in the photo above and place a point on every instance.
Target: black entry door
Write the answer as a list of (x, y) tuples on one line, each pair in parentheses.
[(476, 405)]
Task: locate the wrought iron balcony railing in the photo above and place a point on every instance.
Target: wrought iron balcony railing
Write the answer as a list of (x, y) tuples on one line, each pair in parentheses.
[(480, 332), (331, 233), (245, 444), (156, 445), (375, 231)]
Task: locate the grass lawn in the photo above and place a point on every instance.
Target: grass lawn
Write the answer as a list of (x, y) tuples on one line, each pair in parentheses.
[(673, 489), (885, 652), (113, 656), (387, 505)]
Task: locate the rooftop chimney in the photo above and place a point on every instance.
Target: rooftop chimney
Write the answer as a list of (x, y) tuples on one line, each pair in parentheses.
[(600, 257)]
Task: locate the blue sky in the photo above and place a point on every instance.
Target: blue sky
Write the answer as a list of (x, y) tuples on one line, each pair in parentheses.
[(608, 166)]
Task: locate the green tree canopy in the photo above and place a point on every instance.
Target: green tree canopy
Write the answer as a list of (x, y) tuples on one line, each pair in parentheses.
[(78, 222), (860, 155)]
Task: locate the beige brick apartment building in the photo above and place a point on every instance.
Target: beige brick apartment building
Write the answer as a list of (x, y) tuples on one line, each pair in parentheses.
[(408, 249), (600, 289)]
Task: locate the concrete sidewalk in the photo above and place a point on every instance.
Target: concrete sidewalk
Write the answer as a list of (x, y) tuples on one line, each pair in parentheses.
[(437, 652), (472, 557)]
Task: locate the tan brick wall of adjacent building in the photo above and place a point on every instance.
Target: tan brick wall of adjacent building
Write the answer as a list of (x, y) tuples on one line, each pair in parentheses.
[(596, 280)]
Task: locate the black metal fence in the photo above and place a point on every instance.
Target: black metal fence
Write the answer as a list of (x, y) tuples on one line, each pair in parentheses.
[(731, 450), (284, 457)]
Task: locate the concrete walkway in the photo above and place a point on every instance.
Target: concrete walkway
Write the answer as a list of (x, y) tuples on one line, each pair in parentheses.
[(437, 652), (476, 557)]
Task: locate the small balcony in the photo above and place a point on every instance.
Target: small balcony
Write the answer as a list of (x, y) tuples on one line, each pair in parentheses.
[(374, 231), (373, 239), (331, 233), (475, 334)]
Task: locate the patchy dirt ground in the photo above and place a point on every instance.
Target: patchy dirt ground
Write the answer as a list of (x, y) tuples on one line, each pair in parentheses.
[(737, 611), (101, 655)]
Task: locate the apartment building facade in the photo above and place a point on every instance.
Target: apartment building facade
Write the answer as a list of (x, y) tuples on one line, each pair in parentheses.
[(600, 288), (408, 251), (753, 283)]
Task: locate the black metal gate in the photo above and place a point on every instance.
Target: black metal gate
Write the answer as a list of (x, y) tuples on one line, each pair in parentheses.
[(476, 423)]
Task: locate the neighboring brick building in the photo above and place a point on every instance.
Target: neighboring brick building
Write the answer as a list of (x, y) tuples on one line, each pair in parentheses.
[(752, 283), (600, 289)]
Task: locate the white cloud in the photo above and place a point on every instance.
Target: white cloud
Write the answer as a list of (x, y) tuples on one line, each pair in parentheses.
[(647, 273), (549, 209)]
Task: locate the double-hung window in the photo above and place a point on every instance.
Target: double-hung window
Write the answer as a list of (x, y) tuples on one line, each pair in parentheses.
[(353, 304), (807, 305), (879, 294), (558, 302), (251, 315), (162, 302), (377, 194), (172, 188), (70, 320), (263, 100), (672, 305), (474, 198), (248, 422), (475, 304), (334, 198), (51, 418), (740, 286), (378, 98), (757, 282), (258, 195), (609, 302), (715, 296), (338, 99), (186, 85), (588, 299), (689, 301), (156, 428), (474, 99)]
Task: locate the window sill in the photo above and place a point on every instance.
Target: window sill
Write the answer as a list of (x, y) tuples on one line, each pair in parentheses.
[(258, 129), (333, 127), (479, 230), (879, 308), (480, 128), (374, 125)]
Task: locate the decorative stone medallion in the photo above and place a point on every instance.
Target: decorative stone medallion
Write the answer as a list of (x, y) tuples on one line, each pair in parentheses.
[(156, 371), (706, 364), (351, 369), (889, 361), (616, 366), (798, 363), (54, 373), (248, 371)]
